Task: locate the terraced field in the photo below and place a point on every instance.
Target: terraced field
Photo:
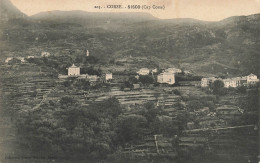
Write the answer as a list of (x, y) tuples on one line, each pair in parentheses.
[(26, 87), (153, 145), (239, 144)]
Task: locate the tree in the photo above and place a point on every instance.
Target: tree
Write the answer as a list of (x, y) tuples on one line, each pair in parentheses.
[(150, 112), (90, 71), (67, 83), (130, 128), (194, 105), (218, 87), (251, 101), (111, 107), (146, 79), (126, 84), (82, 84), (241, 89), (72, 130), (181, 121), (176, 92), (133, 80), (67, 101)]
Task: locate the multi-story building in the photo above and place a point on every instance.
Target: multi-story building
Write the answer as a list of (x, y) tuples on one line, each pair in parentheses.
[(232, 82), (252, 79), (205, 82), (73, 71), (166, 77)]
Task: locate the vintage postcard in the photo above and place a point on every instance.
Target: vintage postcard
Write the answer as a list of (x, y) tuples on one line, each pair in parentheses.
[(115, 81)]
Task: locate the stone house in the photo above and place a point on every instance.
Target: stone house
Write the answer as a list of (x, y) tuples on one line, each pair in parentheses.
[(45, 54), (205, 82), (92, 78), (143, 71), (30, 56), (108, 76), (232, 82), (252, 79), (173, 70), (8, 59), (21, 59), (166, 77)]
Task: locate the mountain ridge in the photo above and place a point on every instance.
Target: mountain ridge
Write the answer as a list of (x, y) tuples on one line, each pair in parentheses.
[(9, 11), (81, 13)]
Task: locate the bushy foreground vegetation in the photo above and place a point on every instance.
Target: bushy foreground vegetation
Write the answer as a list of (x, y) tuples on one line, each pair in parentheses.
[(65, 129)]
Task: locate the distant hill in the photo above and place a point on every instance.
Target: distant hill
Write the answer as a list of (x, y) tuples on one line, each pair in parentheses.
[(104, 20), (10, 16), (230, 46), (55, 15), (197, 45), (9, 11)]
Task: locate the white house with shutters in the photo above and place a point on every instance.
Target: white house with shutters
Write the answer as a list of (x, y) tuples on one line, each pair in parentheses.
[(252, 79), (73, 71)]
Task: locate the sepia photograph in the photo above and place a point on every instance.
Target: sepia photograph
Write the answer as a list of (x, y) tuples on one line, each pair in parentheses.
[(129, 81)]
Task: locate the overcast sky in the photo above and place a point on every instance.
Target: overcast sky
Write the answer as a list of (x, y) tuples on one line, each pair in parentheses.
[(209, 10)]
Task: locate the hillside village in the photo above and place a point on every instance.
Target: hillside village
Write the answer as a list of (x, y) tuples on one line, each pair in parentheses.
[(189, 111), (167, 76), (234, 82), (114, 87)]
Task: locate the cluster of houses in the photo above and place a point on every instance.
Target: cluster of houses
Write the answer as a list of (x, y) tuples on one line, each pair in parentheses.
[(74, 71), (22, 59), (232, 82), (166, 77), (43, 54)]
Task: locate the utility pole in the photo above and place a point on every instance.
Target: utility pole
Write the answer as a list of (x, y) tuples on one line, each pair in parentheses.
[(156, 143)]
